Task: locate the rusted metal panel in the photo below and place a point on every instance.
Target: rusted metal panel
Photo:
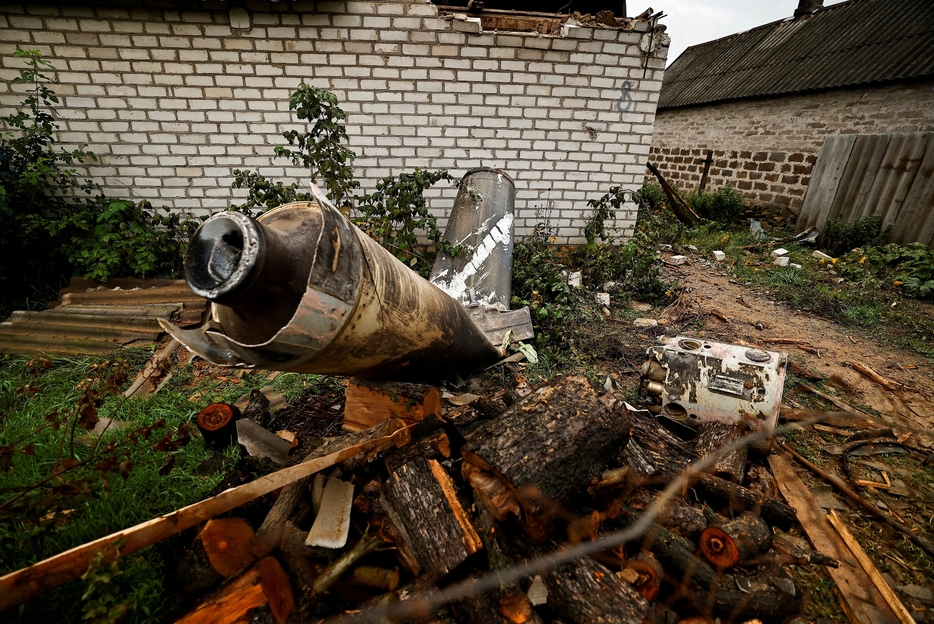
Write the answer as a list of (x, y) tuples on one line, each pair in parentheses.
[(851, 43), (359, 311), (74, 328), (692, 381)]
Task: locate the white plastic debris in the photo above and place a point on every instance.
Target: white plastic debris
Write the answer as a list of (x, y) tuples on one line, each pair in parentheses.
[(820, 255), (719, 255), (332, 524), (691, 248), (794, 265), (676, 260), (781, 260), (781, 251), (645, 323), (574, 279), (603, 299)]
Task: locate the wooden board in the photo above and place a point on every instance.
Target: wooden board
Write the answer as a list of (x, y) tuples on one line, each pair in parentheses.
[(861, 601)]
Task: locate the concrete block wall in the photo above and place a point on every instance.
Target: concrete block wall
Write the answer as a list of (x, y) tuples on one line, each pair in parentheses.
[(766, 147), (172, 101)]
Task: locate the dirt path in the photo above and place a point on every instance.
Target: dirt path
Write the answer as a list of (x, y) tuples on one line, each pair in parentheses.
[(825, 348)]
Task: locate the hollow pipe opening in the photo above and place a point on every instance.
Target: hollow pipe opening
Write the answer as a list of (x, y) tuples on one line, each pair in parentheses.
[(225, 257)]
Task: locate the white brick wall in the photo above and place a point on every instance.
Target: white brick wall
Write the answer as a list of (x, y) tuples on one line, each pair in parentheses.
[(171, 102)]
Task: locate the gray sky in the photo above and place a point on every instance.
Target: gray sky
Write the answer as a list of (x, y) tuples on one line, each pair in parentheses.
[(691, 22)]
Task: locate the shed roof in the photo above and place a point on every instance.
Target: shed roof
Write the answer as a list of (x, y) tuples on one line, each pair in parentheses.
[(851, 43)]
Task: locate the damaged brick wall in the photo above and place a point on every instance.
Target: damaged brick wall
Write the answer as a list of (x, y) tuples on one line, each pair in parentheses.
[(766, 147), (172, 101)]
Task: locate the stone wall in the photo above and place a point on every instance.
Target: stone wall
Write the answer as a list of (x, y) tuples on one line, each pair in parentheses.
[(766, 147), (172, 101)]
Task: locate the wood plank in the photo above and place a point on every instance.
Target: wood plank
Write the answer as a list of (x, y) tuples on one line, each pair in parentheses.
[(865, 160), (825, 180), (897, 607), (916, 220), (860, 600)]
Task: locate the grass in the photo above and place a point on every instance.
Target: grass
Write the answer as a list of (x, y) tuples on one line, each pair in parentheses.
[(102, 508)]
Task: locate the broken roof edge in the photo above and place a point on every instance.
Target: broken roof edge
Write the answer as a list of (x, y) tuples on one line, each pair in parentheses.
[(802, 91), (640, 23)]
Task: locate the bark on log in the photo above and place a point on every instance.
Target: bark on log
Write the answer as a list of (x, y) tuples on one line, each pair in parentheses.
[(422, 503), (762, 600), (544, 450), (435, 446), (584, 591), (654, 451), (294, 553), (720, 491), (740, 539), (711, 438), (368, 403)]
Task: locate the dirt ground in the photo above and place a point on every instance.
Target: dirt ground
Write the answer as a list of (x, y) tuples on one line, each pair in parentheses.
[(823, 347)]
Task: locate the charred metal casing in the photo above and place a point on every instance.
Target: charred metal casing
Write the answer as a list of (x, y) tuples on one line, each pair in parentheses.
[(482, 222), (302, 289), (691, 381)]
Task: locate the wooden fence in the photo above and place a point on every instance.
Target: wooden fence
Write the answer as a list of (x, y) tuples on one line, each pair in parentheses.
[(890, 175)]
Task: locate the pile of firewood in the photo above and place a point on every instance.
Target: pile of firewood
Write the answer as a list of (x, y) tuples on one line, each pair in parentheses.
[(488, 486)]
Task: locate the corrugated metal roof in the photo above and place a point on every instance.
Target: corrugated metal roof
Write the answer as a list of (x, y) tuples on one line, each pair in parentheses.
[(94, 318), (851, 43)]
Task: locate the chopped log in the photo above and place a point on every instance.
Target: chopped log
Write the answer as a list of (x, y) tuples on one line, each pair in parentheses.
[(678, 516), (226, 542), (421, 490), (648, 574), (585, 591), (740, 539), (677, 555), (435, 446), (367, 545), (775, 513), (712, 437), (759, 598), (217, 423), (369, 403), (21, 585), (654, 451), (295, 555), (375, 577), (276, 588), (269, 534), (544, 450), (230, 603)]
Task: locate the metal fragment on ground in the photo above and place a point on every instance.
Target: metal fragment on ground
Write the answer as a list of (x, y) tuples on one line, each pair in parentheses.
[(260, 442)]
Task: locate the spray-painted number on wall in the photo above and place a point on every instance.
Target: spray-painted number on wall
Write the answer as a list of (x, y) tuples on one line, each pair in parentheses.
[(625, 101)]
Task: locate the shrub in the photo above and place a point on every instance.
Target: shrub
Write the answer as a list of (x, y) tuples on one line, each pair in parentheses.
[(840, 235), (723, 205), (56, 223)]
